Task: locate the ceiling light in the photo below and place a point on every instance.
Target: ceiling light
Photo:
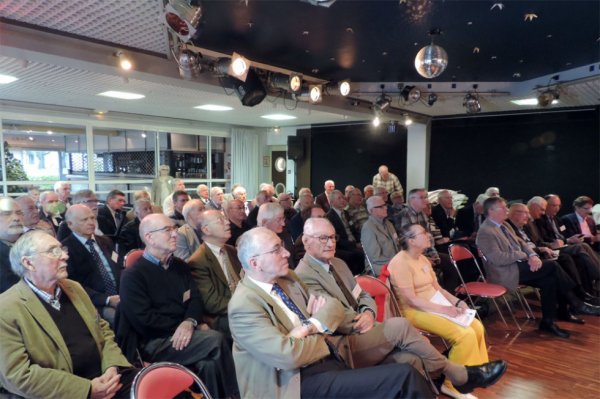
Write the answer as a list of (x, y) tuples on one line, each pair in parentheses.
[(291, 83), (471, 103), (124, 62), (143, 135), (431, 60), (530, 101), (344, 87), (276, 129), (123, 95), (278, 117), (5, 79), (407, 121), (49, 132), (214, 107), (322, 3), (376, 121), (410, 94), (236, 66), (189, 64), (183, 18), (315, 93), (548, 97)]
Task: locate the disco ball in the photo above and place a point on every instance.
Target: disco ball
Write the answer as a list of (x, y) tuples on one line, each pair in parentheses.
[(431, 61)]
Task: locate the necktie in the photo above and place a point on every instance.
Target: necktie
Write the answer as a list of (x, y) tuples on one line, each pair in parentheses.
[(288, 302), (511, 240), (347, 227), (351, 301), (232, 277), (107, 278), (555, 229)]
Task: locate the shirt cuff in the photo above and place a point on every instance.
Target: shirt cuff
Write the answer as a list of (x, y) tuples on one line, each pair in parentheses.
[(320, 327)]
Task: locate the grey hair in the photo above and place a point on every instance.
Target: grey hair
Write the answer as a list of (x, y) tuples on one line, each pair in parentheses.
[(309, 225), (59, 184), (537, 200), (25, 246), (370, 202), (190, 206), (380, 190), (481, 199), (44, 194), (137, 204), (249, 243), (82, 195), (268, 211), (333, 194), (215, 191)]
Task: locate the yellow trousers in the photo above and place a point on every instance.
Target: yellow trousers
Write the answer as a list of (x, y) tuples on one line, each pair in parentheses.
[(467, 343)]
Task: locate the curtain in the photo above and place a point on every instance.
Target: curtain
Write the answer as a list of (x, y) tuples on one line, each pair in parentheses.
[(245, 159)]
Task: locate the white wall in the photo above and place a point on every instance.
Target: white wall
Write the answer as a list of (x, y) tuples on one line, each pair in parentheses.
[(417, 156)]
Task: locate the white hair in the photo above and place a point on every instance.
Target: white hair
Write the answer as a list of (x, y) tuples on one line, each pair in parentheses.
[(268, 211)]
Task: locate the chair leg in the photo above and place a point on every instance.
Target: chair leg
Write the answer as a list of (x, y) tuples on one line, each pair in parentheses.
[(527, 302), (510, 311), (522, 301)]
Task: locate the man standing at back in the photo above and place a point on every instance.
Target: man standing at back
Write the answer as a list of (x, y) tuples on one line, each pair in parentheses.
[(388, 180), (323, 198)]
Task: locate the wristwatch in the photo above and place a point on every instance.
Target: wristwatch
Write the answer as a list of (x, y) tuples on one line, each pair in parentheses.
[(193, 321)]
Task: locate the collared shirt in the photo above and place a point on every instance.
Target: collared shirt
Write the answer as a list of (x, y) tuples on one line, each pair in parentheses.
[(52, 300), (105, 263), (391, 184), (583, 225), (268, 288), (153, 259)]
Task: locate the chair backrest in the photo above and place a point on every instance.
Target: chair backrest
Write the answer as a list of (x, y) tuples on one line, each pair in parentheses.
[(381, 293), (385, 274), (131, 257), (459, 253), (164, 380)]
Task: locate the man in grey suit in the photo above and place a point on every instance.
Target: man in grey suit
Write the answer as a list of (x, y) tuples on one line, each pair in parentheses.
[(188, 235), (378, 236), (510, 261), (282, 343), (394, 340), (215, 268)]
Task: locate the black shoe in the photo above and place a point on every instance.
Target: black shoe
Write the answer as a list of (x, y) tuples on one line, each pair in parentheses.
[(553, 329), (592, 300), (587, 309), (482, 376), (569, 318)]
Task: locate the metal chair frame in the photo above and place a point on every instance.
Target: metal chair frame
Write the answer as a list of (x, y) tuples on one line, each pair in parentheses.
[(139, 377)]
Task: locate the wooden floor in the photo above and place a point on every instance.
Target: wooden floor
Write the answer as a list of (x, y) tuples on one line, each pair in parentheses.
[(541, 365)]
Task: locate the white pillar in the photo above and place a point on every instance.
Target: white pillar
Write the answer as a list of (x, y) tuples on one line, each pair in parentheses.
[(417, 156)]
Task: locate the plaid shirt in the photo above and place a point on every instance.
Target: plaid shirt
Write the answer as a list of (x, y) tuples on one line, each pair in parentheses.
[(391, 184)]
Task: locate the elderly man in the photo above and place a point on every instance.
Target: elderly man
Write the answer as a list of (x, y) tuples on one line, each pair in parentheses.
[(348, 247), (216, 269), (31, 216), (378, 236), (92, 261), (356, 210), (11, 228), (368, 191), (111, 217), (272, 217), (546, 231), (510, 262), (382, 192), (188, 235), (53, 345), (492, 192), (262, 197), (239, 193), (129, 238), (444, 214), (217, 197), (282, 344), (162, 308), (236, 214), (51, 209), (581, 223), (305, 200), (371, 342), (63, 190), (287, 203), (84, 197), (469, 218), (180, 198), (388, 180), (323, 198), (168, 205), (397, 199), (203, 194)]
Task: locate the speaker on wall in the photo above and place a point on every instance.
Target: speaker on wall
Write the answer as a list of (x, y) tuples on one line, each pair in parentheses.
[(295, 147)]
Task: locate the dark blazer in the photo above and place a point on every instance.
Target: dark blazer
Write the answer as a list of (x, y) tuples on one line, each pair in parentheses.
[(296, 226), (544, 225), (442, 221), (48, 219), (107, 225), (344, 241), (130, 237), (321, 200), (572, 227), (7, 277), (252, 217), (82, 268), (211, 280)]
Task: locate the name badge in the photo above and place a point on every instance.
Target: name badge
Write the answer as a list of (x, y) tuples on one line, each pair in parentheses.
[(562, 228), (356, 291), (114, 256), (186, 296)]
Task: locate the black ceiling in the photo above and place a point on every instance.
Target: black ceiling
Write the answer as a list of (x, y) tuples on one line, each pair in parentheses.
[(376, 41)]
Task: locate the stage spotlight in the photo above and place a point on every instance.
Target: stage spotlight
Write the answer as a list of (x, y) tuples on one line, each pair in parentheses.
[(547, 97), (344, 87), (471, 103), (376, 121), (124, 62), (431, 99), (183, 17), (189, 64), (407, 121), (291, 83), (251, 92), (315, 93), (381, 103), (236, 66), (411, 94)]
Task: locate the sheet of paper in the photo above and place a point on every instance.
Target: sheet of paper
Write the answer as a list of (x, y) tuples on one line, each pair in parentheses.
[(464, 319)]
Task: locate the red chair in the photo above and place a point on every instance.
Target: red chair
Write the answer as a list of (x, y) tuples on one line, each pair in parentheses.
[(381, 293), (132, 257), (165, 380), (480, 288)]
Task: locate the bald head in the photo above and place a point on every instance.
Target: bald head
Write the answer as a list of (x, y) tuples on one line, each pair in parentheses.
[(81, 220)]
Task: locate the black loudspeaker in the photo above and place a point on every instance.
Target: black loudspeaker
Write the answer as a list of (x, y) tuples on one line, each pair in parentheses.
[(251, 92), (295, 146)]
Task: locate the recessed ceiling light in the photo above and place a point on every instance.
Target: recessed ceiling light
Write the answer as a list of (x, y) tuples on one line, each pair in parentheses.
[(213, 107), (123, 95), (529, 101), (278, 117), (5, 79), (50, 132)]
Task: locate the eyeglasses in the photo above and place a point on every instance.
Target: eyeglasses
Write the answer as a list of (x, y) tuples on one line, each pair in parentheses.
[(276, 251), (56, 252), (325, 239), (380, 206), (89, 201), (168, 229)]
